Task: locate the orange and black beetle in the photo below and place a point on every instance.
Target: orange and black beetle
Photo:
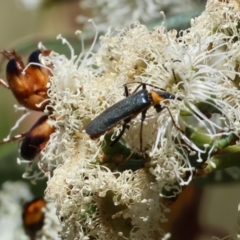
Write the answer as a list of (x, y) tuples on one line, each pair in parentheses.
[(29, 85), (36, 138), (33, 216)]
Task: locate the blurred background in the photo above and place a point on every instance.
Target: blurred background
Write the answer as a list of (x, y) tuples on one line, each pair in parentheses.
[(208, 207)]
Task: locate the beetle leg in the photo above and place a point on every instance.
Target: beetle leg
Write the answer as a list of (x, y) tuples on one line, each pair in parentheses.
[(7, 54), (14, 138), (141, 128), (126, 88), (124, 127), (11, 54), (158, 108), (126, 92), (143, 87), (4, 84)]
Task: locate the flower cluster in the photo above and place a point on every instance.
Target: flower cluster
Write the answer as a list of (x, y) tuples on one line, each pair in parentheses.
[(116, 193)]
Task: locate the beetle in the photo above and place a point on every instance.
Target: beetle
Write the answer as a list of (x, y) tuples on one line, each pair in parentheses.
[(126, 109), (29, 86), (36, 138), (33, 216)]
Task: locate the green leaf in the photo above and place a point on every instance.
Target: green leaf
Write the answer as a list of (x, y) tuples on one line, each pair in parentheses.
[(119, 157)]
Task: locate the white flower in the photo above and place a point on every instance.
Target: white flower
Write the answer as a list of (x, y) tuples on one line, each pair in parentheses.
[(196, 69), (12, 196), (113, 193), (118, 13)]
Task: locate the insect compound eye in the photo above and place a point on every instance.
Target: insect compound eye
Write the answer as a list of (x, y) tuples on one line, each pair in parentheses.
[(172, 96), (168, 95)]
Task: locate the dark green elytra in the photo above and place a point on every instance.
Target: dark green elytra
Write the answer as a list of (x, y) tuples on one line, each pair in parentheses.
[(125, 109)]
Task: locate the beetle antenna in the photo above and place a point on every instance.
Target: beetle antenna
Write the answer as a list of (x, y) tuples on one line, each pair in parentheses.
[(142, 84), (174, 123), (177, 127)]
